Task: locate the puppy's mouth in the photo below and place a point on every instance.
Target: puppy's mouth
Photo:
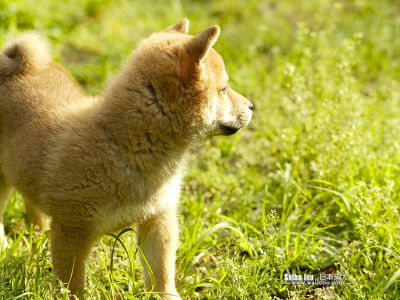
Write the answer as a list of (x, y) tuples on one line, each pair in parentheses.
[(229, 129)]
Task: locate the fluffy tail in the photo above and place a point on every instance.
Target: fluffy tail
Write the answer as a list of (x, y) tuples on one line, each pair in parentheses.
[(30, 51)]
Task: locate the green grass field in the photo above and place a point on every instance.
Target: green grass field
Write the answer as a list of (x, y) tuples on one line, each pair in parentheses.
[(312, 186)]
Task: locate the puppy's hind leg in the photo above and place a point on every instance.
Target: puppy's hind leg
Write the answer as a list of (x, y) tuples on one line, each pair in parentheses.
[(34, 215), (5, 193)]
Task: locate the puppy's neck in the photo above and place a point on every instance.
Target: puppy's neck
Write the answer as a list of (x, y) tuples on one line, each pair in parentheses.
[(135, 123)]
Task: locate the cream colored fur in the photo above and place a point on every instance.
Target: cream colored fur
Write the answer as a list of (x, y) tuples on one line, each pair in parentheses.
[(97, 165)]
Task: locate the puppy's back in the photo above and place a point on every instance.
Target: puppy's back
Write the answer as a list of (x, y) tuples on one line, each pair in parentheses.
[(36, 96), (31, 84)]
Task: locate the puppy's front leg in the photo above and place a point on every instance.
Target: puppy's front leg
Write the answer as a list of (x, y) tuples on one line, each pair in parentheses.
[(70, 247), (158, 238)]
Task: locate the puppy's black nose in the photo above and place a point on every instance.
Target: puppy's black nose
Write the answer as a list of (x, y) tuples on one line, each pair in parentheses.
[(251, 106)]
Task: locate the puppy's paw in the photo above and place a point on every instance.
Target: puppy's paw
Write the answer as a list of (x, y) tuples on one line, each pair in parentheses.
[(171, 296), (3, 238), (3, 243)]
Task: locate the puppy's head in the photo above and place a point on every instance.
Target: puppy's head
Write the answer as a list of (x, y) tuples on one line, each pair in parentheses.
[(187, 79)]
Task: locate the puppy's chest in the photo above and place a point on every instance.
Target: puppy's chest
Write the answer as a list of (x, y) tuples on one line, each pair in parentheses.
[(136, 209)]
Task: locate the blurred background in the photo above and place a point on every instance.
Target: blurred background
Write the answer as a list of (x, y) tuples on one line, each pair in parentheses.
[(311, 186)]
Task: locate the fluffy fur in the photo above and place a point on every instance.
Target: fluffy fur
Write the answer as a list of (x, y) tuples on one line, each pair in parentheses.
[(96, 165)]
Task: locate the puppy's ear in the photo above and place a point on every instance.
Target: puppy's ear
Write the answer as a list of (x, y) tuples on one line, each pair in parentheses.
[(182, 26), (198, 46), (196, 49)]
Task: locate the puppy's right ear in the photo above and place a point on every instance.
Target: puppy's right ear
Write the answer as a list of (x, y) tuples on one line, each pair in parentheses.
[(195, 50), (182, 26)]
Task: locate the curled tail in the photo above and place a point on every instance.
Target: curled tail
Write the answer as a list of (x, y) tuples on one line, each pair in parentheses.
[(28, 52)]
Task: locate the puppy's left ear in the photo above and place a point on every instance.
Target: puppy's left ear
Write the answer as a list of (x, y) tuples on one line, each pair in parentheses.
[(198, 46), (182, 26), (195, 50)]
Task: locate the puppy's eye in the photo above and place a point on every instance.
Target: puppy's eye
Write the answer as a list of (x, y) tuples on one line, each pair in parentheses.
[(223, 91)]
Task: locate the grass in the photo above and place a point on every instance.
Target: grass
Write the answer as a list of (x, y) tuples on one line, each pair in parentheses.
[(310, 187)]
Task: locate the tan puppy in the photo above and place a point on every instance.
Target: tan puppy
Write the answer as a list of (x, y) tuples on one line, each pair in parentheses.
[(97, 165)]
